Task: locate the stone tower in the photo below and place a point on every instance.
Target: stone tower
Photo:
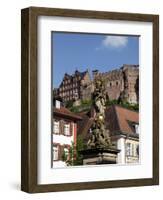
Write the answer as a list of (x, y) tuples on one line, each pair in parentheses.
[(131, 83)]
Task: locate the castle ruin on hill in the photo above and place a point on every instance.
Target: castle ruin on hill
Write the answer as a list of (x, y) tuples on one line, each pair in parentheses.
[(122, 83)]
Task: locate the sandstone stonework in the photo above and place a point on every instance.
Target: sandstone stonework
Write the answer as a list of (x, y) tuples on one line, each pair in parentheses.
[(120, 84)]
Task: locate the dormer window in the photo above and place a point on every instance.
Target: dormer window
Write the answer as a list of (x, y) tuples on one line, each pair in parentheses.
[(136, 126)]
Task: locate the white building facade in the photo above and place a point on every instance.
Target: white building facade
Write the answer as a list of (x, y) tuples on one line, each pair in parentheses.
[(64, 134)]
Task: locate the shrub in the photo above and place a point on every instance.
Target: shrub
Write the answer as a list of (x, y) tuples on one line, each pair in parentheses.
[(75, 157)]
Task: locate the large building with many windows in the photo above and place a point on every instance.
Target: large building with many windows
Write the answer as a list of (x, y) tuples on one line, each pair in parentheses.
[(64, 133), (72, 86)]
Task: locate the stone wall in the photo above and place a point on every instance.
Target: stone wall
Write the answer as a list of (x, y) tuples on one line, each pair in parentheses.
[(122, 83)]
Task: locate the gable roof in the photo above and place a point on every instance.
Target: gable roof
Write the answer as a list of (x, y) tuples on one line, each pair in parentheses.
[(84, 125), (120, 119), (65, 113)]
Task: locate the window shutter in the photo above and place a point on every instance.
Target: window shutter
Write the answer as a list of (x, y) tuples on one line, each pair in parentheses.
[(71, 128), (61, 152), (61, 127), (53, 126)]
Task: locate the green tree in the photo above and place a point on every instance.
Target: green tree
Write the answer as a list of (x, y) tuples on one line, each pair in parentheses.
[(69, 104), (74, 157), (85, 105), (124, 104)]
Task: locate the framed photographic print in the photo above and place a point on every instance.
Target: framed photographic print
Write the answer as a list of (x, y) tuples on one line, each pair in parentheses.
[(90, 100)]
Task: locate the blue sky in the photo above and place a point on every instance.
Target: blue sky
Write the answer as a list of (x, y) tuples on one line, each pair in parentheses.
[(73, 51)]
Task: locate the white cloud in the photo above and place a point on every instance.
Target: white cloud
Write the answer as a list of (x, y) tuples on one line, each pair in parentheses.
[(115, 41)]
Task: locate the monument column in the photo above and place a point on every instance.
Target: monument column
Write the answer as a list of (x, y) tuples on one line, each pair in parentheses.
[(99, 147)]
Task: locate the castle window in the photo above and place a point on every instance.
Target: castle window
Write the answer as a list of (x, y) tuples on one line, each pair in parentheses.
[(110, 84), (117, 83)]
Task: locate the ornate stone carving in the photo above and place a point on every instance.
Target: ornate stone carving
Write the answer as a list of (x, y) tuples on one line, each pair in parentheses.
[(99, 135)]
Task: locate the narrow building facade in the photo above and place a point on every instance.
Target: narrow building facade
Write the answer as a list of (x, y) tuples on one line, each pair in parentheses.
[(64, 133)]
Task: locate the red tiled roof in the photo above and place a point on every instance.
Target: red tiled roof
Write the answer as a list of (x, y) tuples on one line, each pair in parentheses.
[(118, 119), (84, 124), (66, 113), (125, 115)]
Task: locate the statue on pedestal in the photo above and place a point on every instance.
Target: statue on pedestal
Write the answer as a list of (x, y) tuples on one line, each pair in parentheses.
[(99, 135)]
